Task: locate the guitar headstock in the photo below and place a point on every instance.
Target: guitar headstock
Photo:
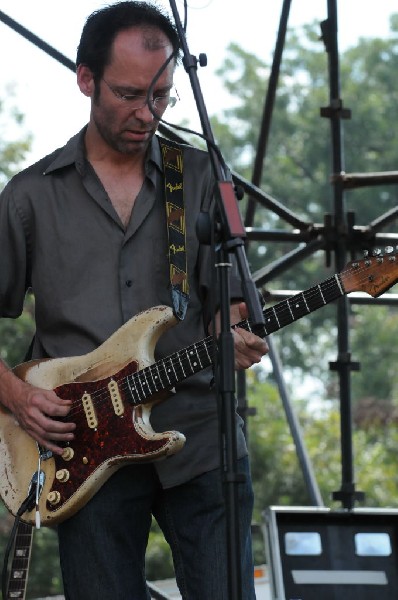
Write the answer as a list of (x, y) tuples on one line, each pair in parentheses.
[(374, 274)]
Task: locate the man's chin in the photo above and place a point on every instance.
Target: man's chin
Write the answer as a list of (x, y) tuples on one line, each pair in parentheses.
[(132, 146)]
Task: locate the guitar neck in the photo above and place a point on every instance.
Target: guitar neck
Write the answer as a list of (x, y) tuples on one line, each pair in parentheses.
[(166, 373), (18, 578), (298, 306)]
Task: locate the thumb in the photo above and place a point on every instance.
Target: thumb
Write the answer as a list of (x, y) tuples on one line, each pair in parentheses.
[(244, 313)]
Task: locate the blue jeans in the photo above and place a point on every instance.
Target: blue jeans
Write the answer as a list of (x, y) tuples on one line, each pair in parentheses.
[(102, 547)]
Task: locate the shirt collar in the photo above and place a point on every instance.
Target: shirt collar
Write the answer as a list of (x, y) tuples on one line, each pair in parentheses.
[(74, 153), (71, 153)]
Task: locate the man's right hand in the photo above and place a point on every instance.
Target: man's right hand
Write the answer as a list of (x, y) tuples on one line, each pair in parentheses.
[(39, 412)]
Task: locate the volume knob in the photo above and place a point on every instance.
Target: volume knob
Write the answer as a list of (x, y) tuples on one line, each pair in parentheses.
[(54, 498), (62, 475), (68, 453)]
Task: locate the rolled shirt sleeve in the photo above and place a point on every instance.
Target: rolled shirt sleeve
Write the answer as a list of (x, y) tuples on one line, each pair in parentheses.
[(14, 256)]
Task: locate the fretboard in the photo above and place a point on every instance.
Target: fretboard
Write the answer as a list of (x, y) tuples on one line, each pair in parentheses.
[(167, 372), (298, 306), (20, 563)]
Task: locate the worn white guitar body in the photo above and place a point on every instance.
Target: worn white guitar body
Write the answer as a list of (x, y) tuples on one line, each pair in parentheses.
[(113, 429)]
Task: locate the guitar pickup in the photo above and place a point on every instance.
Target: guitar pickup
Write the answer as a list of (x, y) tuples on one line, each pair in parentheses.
[(116, 398), (89, 410)]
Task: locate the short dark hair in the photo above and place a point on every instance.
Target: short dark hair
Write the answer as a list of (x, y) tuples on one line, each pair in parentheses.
[(102, 26)]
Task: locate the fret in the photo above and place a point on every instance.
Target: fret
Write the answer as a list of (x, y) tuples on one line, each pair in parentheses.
[(331, 289), (298, 306), (146, 385), (170, 371), (290, 310), (270, 321), (305, 301), (276, 317), (190, 353), (158, 376), (320, 291), (314, 298), (208, 346), (135, 394), (177, 368), (197, 347), (155, 379), (138, 382), (337, 278), (284, 314), (20, 563), (181, 364), (202, 353), (163, 366)]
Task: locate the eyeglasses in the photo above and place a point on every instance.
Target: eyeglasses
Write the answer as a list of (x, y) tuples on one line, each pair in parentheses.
[(137, 101)]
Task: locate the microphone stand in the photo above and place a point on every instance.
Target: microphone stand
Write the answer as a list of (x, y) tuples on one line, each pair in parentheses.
[(231, 234)]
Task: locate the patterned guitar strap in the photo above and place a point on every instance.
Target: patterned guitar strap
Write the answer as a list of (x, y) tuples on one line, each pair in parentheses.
[(176, 227)]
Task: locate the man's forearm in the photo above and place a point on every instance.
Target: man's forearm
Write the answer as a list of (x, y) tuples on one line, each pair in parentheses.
[(9, 384)]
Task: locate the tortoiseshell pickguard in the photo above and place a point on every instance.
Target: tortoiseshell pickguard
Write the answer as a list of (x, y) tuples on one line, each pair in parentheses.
[(115, 441)]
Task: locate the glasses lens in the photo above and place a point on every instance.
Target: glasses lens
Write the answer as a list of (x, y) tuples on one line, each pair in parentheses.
[(136, 101)]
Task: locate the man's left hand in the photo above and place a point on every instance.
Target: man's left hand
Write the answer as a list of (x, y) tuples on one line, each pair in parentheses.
[(249, 348)]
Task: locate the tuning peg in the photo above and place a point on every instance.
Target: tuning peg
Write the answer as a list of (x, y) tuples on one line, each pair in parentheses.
[(389, 249), (376, 252)]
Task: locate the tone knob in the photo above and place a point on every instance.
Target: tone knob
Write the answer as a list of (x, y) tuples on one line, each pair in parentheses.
[(68, 453), (54, 498), (62, 475)]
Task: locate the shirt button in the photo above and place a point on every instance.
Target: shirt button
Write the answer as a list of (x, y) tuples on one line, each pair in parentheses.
[(129, 283)]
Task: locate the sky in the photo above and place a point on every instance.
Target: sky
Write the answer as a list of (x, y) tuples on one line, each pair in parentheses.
[(46, 91)]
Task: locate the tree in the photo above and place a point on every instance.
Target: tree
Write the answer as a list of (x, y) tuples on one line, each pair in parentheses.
[(276, 472), (14, 150), (298, 161)]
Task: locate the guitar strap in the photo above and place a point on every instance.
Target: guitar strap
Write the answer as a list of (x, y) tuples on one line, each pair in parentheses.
[(176, 226)]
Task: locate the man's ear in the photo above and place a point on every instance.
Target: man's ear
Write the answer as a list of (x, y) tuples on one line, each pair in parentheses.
[(85, 80)]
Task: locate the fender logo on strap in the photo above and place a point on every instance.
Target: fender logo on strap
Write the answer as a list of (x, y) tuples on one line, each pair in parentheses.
[(176, 229)]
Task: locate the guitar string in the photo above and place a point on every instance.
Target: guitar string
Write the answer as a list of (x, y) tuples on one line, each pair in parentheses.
[(204, 346), (175, 360), (201, 349)]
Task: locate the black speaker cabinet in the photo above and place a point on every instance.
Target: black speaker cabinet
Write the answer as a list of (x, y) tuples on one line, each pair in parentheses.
[(322, 554)]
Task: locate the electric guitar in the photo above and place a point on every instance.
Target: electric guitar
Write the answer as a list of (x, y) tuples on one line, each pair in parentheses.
[(114, 388)]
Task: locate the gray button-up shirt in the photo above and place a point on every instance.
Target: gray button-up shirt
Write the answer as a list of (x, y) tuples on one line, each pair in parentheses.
[(61, 237)]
